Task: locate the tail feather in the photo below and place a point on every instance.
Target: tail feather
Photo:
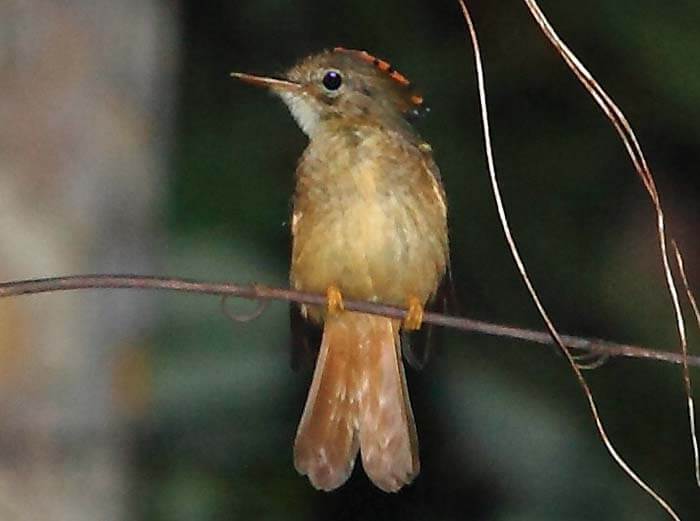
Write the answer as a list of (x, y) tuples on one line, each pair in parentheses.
[(358, 400), (388, 439), (326, 444)]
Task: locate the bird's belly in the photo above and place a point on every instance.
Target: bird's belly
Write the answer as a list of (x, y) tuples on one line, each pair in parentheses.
[(382, 248)]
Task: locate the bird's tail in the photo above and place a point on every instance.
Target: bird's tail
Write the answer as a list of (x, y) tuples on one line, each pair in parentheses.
[(358, 400)]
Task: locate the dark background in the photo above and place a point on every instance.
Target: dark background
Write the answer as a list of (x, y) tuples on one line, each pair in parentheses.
[(505, 432)]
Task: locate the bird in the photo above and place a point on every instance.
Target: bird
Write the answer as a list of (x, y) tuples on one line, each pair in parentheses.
[(369, 222)]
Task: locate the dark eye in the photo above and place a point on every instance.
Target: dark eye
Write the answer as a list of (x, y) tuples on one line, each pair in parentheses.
[(332, 80)]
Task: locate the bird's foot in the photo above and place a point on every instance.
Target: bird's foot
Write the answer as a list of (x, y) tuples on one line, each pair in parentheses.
[(414, 317), (334, 300)]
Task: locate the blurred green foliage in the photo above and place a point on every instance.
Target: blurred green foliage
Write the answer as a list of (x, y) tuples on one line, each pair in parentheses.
[(505, 433)]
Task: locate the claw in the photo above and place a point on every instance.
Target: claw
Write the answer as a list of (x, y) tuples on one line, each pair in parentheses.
[(414, 317), (334, 300)]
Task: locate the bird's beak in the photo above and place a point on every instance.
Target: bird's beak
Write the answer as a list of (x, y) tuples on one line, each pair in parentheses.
[(275, 84)]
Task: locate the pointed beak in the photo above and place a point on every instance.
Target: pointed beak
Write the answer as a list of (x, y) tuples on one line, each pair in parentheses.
[(276, 84)]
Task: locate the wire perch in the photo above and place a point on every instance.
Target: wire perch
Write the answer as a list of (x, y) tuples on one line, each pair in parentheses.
[(259, 292)]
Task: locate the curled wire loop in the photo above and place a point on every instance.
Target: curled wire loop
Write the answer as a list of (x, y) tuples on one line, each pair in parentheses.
[(260, 308)]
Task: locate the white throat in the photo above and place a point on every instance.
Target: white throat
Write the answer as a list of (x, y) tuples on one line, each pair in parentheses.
[(303, 111)]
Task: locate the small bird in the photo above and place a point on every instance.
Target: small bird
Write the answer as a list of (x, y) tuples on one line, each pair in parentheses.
[(369, 223)]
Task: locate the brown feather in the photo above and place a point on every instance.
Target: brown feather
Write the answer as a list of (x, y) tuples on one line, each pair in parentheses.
[(326, 444), (388, 440), (370, 221), (358, 399)]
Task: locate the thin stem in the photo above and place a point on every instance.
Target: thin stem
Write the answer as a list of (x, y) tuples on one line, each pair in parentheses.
[(258, 292), (634, 150), (556, 337)]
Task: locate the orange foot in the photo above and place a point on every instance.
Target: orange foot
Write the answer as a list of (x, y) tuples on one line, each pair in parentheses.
[(334, 300), (414, 317)]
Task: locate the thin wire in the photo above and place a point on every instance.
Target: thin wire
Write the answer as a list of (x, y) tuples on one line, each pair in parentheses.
[(260, 308), (686, 369), (629, 139), (533, 294), (17, 288)]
